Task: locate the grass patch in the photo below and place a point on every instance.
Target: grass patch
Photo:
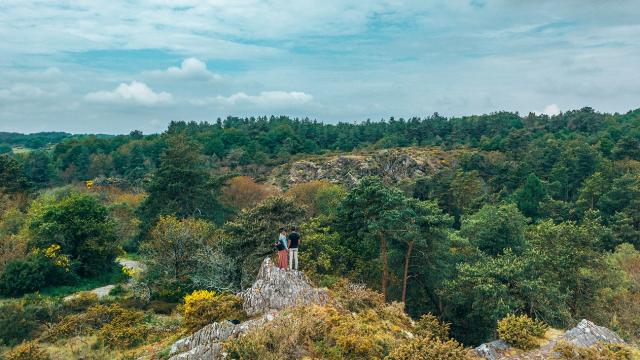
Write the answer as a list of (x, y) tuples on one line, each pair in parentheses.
[(131, 256), (115, 276)]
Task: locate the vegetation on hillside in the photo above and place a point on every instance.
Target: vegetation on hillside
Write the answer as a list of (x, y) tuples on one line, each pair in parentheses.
[(537, 218)]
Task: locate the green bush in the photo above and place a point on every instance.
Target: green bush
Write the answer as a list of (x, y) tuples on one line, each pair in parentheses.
[(27, 351), (425, 348), (430, 326), (521, 331), (21, 276), (14, 325)]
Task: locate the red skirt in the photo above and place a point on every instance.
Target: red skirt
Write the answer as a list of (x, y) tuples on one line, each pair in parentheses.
[(283, 259)]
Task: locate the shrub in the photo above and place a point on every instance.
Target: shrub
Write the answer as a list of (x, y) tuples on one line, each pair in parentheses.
[(118, 290), (27, 351), (161, 307), (80, 302), (14, 325), (430, 326), (356, 297), (521, 331), (123, 331), (203, 307), (425, 348), (568, 351), (21, 276), (87, 322)]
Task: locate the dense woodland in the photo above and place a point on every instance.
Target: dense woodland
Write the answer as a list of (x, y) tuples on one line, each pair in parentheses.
[(538, 216)]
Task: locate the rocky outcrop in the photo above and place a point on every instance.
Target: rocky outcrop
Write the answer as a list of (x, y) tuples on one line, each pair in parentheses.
[(276, 289), (206, 343), (393, 165), (585, 334), (273, 290)]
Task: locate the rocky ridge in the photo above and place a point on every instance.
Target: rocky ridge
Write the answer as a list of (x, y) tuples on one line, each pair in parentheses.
[(274, 289), (393, 165)]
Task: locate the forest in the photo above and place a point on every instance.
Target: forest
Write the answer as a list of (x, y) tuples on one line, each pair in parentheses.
[(535, 216)]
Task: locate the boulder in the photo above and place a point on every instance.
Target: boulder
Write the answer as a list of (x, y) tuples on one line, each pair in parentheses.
[(277, 289), (206, 343)]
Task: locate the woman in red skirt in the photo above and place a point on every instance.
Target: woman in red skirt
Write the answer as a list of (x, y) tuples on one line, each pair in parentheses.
[(283, 253)]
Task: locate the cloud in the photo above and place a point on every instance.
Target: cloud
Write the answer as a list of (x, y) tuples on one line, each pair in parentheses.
[(551, 110), (133, 93), (263, 99), (190, 69), (22, 91)]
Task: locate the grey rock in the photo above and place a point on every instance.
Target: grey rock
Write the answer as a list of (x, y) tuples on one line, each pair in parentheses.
[(587, 334), (394, 165), (277, 289), (493, 350)]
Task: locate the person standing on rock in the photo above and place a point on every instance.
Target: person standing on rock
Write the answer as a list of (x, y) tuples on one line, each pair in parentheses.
[(281, 245), (294, 242)]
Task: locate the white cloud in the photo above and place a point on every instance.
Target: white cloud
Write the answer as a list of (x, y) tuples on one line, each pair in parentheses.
[(190, 69), (551, 110), (133, 93), (263, 99)]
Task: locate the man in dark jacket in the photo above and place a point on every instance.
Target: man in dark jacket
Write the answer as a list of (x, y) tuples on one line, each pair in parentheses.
[(294, 242)]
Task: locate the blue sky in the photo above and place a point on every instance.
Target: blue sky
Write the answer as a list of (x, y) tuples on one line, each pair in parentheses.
[(115, 66)]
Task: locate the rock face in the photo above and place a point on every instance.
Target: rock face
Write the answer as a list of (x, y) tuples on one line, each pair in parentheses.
[(585, 334), (206, 343), (393, 165), (273, 290), (276, 289)]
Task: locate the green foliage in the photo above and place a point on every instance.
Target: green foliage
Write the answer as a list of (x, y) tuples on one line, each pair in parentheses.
[(180, 186), (12, 177), (170, 254), (32, 273), (77, 223), (521, 331), (494, 229), (529, 197), (15, 325), (251, 235)]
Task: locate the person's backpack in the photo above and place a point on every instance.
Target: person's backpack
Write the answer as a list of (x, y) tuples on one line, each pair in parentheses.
[(280, 245)]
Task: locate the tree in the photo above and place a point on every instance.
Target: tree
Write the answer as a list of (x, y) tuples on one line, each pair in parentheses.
[(242, 192), (495, 228), (250, 236), (170, 251), (370, 215), (426, 227), (80, 225), (12, 177), (487, 290), (529, 197), (181, 186)]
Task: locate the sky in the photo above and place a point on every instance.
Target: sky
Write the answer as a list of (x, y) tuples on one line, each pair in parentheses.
[(100, 66)]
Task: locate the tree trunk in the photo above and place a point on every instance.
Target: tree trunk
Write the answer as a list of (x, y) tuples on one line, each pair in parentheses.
[(385, 264), (405, 276)]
